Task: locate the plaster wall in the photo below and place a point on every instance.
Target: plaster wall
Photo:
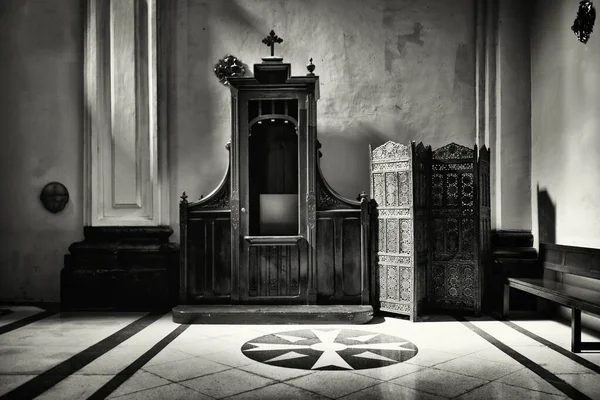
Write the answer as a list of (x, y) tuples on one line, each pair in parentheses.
[(41, 108), (565, 90), (397, 70)]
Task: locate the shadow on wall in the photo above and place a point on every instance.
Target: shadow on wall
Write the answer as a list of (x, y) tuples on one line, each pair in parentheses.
[(546, 216), (345, 161)]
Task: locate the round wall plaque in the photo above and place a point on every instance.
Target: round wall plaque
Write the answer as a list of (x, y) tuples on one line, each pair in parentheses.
[(54, 197)]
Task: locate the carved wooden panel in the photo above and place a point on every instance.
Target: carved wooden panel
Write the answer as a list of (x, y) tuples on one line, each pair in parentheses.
[(208, 254), (339, 257), (392, 190), (274, 271), (421, 196), (455, 269)]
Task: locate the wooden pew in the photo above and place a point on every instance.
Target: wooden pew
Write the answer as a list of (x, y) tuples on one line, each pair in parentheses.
[(558, 261)]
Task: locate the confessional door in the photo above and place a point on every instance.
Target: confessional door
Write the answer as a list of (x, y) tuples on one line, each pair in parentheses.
[(272, 242)]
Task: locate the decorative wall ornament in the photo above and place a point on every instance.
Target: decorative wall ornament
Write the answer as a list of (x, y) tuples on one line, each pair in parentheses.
[(54, 197), (229, 66), (584, 23)]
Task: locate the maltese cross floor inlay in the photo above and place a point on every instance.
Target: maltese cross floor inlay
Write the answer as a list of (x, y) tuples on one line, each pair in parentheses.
[(337, 349)]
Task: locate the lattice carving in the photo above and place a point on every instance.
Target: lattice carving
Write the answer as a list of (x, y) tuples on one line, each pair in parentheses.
[(406, 236), (378, 188), (390, 150), (451, 189), (381, 235), (311, 202), (392, 232), (220, 200), (452, 238), (391, 166), (467, 192), (396, 307), (391, 189), (235, 210), (455, 252), (452, 167), (453, 151), (327, 201), (394, 213), (392, 282), (405, 196), (437, 189), (383, 282), (396, 260), (406, 283)]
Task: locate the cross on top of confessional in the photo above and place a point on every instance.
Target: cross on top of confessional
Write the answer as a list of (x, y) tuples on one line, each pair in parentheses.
[(271, 40)]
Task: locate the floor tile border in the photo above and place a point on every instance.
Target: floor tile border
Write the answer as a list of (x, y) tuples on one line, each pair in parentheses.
[(546, 375), (572, 356), (53, 376), (117, 380), (25, 321)]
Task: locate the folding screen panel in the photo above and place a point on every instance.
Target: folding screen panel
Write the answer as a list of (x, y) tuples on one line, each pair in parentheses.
[(400, 263), (455, 269), (433, 227)]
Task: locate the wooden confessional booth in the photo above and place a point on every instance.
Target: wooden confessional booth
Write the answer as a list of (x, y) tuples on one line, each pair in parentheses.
[(274, 232)]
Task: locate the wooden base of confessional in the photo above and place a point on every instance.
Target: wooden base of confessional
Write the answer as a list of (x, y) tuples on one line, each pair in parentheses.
[(272, 314)]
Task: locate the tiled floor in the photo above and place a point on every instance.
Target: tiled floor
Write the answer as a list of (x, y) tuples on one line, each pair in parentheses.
[(140, 356)]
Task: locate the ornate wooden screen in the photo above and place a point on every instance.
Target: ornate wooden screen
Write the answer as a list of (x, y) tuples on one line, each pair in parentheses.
[(397, 269), (455, 268), (421, 157)]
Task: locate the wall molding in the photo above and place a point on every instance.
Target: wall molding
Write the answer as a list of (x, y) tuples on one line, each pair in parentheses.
[(125, 164)]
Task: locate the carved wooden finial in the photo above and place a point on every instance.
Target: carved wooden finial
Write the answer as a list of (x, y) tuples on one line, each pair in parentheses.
[(362, 195), (271, 40), (184, 197), (310, 67)]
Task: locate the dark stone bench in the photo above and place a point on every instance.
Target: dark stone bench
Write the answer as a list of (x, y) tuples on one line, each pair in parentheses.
[(557, 261)]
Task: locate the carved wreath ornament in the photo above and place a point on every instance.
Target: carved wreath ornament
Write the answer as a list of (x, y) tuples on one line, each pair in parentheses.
[(584, 23), (227, 67)]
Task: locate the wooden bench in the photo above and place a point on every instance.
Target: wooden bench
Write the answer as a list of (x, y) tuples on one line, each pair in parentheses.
[(558, 262)]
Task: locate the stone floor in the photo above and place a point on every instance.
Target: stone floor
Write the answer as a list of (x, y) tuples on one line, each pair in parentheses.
[(147, 356)]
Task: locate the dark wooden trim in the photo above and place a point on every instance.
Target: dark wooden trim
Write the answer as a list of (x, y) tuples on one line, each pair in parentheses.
[(273, 116), (591, 273), (565, 248), (555, 296), (222, 187), (274, 240), (575, 330), (183, 246)]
